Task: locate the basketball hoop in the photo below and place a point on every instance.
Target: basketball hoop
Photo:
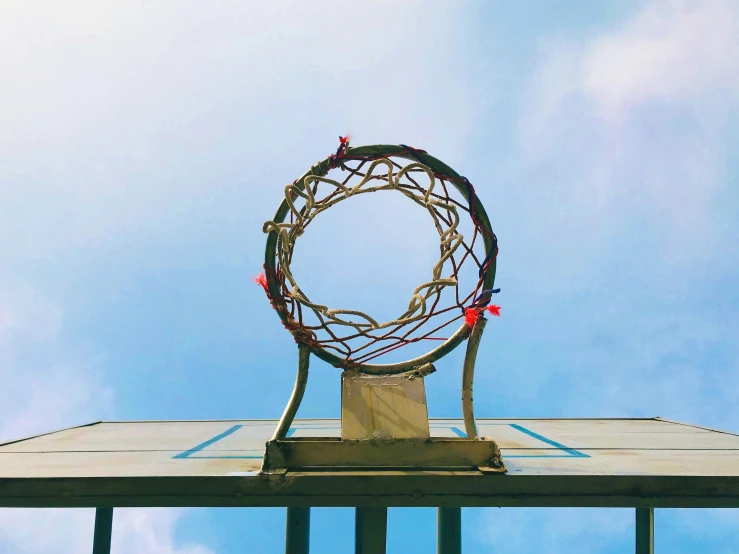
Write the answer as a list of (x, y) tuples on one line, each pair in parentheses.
[(351, 339)]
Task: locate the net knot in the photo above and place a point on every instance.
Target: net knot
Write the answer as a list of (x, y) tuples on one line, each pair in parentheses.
[(343, 146), (473, 313), (261, 280)]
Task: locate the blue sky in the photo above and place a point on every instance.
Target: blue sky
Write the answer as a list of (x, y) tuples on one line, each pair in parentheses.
[(143, 145)]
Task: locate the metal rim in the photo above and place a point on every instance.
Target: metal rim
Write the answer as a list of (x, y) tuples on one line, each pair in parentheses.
[(383, 150)]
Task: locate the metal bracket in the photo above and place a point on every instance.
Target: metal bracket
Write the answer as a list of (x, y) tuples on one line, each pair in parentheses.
[(310, 453)]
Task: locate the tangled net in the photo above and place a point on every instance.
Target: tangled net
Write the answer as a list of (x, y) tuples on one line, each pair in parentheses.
[(337, 330)]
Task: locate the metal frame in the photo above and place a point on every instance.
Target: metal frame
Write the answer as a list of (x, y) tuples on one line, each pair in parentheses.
[(464, 332), (103, 531), (373, 492), (380, 488), (411, 454), (645, 531), (371, 531), (449, 531), (370, 534), (301, 381), (297, 532)]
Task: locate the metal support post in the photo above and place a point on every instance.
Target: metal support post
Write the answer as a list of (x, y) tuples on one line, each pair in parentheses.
[(645, 531), (449, 531), (301, 380), (297, 532), (468, 377), (103, 530), (371, 531)]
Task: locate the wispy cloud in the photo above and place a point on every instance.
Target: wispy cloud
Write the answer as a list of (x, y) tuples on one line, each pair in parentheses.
[(629, 127), (47, 385), (68, 531), (554, 530), (672, 51), (151, 531), (102, 105), (630, 308), (622, 143)]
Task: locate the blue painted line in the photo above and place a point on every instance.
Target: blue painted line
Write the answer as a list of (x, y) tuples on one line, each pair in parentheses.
[(207, 443), (226, 457), (571, 451)]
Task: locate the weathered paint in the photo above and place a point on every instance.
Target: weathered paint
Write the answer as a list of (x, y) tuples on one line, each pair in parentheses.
[(383, 406), (406, 453)]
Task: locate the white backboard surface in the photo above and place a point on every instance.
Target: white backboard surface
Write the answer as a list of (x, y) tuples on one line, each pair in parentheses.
[(551, 462)]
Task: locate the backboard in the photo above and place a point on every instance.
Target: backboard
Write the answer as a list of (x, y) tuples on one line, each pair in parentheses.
[(551, 462)]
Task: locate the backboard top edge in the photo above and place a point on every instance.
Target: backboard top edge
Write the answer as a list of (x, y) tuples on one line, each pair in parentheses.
[(13, 441)]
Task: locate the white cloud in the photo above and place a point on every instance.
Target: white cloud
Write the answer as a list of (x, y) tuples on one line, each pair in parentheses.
[(628, 128), (68, 531), (151, 531), (131, 121), (624, 161), (554, 530), (64, 530), (671, 51), (46, 385)]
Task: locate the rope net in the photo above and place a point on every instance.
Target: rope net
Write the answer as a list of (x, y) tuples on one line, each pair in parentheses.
[(354, 336)]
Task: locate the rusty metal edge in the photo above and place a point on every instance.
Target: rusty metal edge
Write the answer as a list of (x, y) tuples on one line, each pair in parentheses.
[(276, 459)]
